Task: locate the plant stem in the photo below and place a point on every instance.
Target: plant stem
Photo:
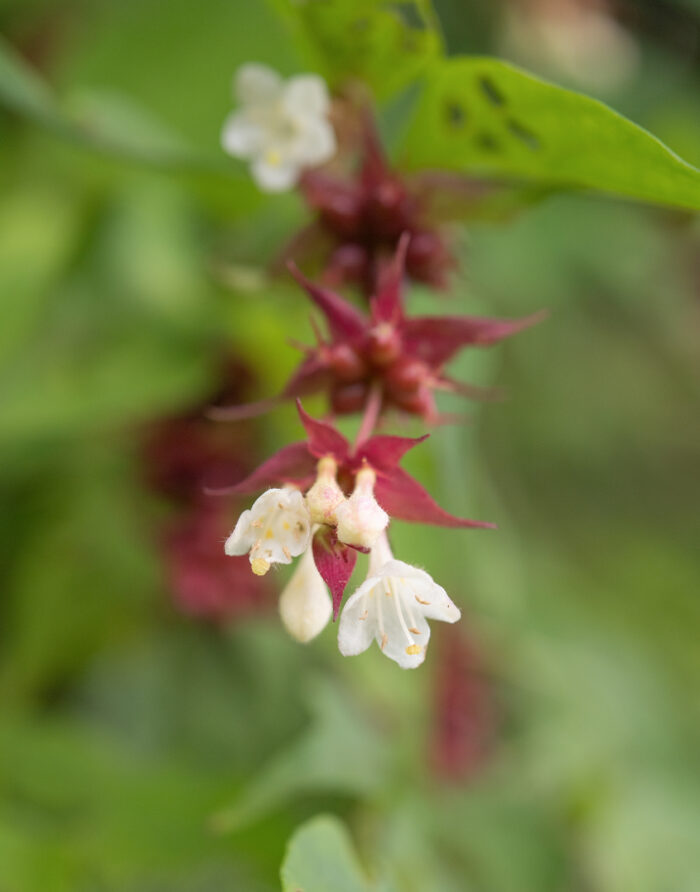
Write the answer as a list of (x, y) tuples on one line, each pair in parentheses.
[(371, 414)]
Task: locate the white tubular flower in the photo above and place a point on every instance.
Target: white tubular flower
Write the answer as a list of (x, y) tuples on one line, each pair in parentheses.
[(281, 127), (276, 529), (305, 605), (325, 496), (393, 606), (361, 520)]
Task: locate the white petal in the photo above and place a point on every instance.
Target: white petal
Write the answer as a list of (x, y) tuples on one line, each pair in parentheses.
[(278, 177), (242, 537), (395, 623), (431, 599), (305, 605), (241, 137), (257, 84), (306, 95), (357, 625), (313, 143)]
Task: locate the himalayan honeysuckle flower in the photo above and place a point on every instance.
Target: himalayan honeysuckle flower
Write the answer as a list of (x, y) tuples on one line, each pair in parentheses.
[(360, 518), (276, 529), (405, 356), (368, 470), (281, 126), (305, 605), (392, 607)]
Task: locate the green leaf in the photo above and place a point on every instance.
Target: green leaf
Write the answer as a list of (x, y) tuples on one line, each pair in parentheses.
[(483, 116), (339, 753), (385, 44), (320, 857), (106, 123)]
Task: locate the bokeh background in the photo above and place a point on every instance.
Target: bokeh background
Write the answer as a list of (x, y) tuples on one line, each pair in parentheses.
[(158, 734)]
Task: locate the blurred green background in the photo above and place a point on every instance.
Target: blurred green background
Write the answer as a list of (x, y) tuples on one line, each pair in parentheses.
[(144, 749)]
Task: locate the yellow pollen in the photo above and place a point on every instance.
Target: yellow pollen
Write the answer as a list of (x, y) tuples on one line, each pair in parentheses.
[(259, 566), (413, 649), (285, 525), (269, 534)]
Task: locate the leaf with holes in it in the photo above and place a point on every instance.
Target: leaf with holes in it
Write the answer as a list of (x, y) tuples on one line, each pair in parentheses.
[(482, 116), (320, 857), (385, 43)]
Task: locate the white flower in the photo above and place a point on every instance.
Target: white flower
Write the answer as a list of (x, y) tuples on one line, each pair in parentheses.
[(276, 529), (281, 127), (361, 519), (393, 606), (325, 496), (305, 605)]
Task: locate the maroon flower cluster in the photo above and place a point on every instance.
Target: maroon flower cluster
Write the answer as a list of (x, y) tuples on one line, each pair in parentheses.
[(182, 456), (403, 356), (363, 218)]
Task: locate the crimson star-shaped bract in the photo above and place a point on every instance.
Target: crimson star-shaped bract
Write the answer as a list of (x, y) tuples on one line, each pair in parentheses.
[(364, 216), (404, 355), (398, 493)]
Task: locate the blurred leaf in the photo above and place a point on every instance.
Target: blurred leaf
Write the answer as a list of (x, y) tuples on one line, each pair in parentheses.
[(480, 115), (107, 123), (385, 43), (340, 753), (320, 857)]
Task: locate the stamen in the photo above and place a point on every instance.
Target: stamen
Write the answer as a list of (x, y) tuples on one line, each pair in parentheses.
[(399, 613), (413, 649), (287, 552), (385, 638), (414, 630), (364, 615), (421, 601)]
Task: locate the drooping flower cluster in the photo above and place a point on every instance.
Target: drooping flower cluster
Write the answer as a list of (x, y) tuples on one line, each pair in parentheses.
[(325, 500), (331, 500)]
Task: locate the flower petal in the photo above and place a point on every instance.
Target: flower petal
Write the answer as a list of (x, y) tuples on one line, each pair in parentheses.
[(292, 464), (404, 498), (243, 536), (324, 439), (277, 177), (257, 84), (387, 306), (335, 562), (305, 606), (385, 452), (357, 621), (436, 339), (306, 95), (313, 144), (344, 320), (240, 136)]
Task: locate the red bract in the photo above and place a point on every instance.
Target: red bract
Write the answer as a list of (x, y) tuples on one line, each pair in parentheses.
[(364, 217), (404, 356), (464, 716), (399, 494)]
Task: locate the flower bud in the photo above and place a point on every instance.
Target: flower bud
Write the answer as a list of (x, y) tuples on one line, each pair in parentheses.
[(360, 519), (325, 496), (346, 398), (305, 605), (384, 344), (346, 363)]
